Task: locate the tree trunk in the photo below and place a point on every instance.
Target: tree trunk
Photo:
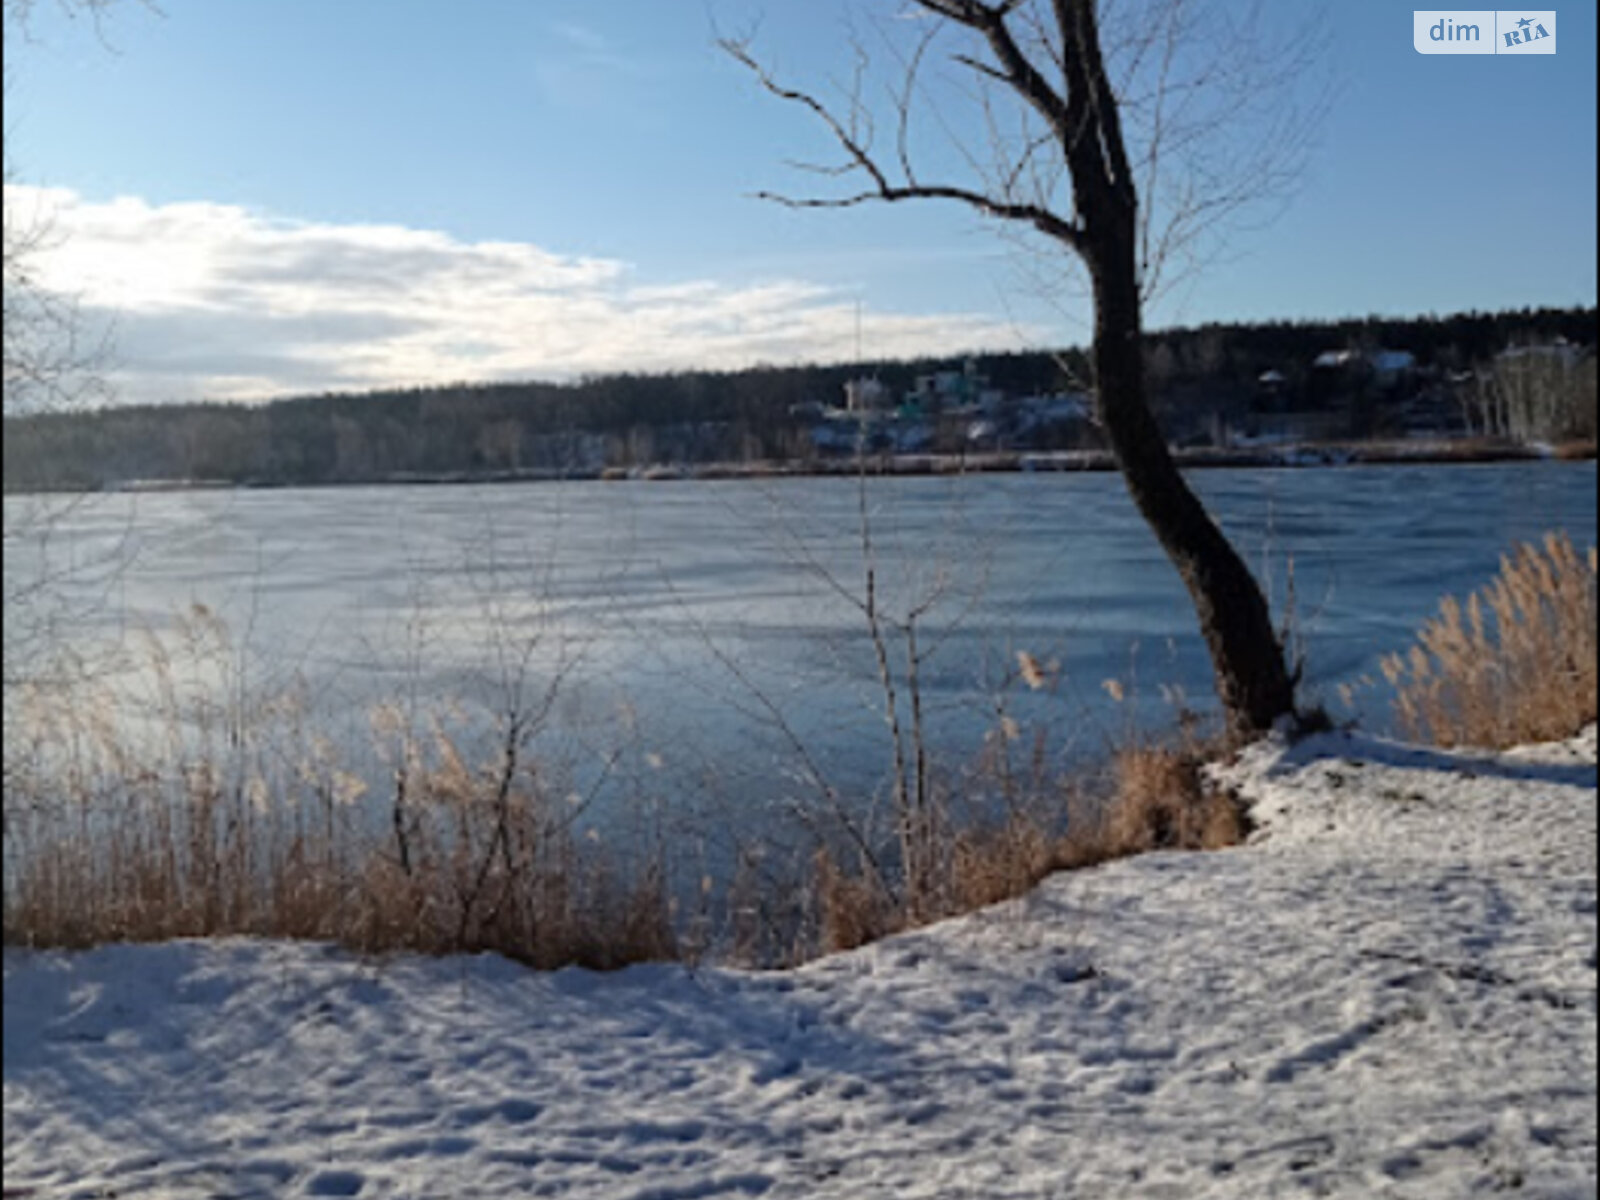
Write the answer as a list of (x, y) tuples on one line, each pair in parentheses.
[(1083, 112), (1254, 686)]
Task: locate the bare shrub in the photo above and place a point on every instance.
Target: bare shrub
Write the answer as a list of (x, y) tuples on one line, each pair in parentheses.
[(1515, 664)]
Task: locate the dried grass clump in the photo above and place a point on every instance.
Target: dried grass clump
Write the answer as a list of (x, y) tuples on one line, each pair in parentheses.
[(1516, 664), (991, 865), (852, 910), (496, 877), (981, 865), (1161, 802), (227, 815)]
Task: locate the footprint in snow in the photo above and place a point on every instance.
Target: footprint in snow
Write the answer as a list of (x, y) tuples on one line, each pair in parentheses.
[(336, 1183)]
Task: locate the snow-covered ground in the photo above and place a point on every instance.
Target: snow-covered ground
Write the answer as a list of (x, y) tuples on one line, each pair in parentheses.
[(1390, 992)]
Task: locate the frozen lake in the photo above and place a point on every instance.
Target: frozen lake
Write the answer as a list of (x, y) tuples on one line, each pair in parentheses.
[(701, 631)]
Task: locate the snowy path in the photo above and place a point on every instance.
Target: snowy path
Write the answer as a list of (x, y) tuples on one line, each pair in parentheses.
[(1390, 993)]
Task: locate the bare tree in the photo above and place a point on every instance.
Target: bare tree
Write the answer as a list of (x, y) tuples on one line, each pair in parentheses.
[(51, 361), (54, 361), (1535, 393), (49, 366), (1059, 165)]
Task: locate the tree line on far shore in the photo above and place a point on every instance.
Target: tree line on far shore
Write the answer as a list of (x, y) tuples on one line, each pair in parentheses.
[(762, 413)]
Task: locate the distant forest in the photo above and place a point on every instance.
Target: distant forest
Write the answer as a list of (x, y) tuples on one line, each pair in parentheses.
[(1197, 376)]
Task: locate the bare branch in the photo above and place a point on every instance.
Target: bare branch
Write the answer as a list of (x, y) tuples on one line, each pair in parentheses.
[(902, 141), (982, 68), (884, 189)]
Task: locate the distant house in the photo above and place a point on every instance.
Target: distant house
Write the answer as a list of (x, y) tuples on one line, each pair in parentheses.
[(1056, 408), (1391, 366), (942, 390), (865, 395), (1384, 366), (1270, 388), (835, 437), (1434, 411)]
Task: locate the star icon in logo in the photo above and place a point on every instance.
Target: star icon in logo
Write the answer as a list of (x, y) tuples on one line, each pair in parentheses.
[(1525, 22)]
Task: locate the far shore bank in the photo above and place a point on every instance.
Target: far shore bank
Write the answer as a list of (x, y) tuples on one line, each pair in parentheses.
[(1300, 455)]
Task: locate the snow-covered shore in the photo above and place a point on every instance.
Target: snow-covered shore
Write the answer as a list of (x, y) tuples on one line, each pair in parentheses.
[(1389, 992)]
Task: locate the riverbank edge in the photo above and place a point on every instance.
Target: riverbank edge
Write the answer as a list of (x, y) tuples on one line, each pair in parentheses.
[(1298, 455)]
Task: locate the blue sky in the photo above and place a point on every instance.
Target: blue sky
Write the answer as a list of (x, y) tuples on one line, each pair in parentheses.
[(269, 196)]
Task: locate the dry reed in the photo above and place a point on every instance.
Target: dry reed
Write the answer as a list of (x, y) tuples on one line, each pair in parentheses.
[(1515, 664), (1158, 800), (226, 815), (232, 812)]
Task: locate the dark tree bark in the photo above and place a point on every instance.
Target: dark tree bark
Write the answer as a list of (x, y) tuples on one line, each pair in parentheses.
[(1252, 679), (1083, 118)]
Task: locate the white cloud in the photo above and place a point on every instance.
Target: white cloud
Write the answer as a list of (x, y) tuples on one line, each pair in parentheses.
[(215, 301)]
